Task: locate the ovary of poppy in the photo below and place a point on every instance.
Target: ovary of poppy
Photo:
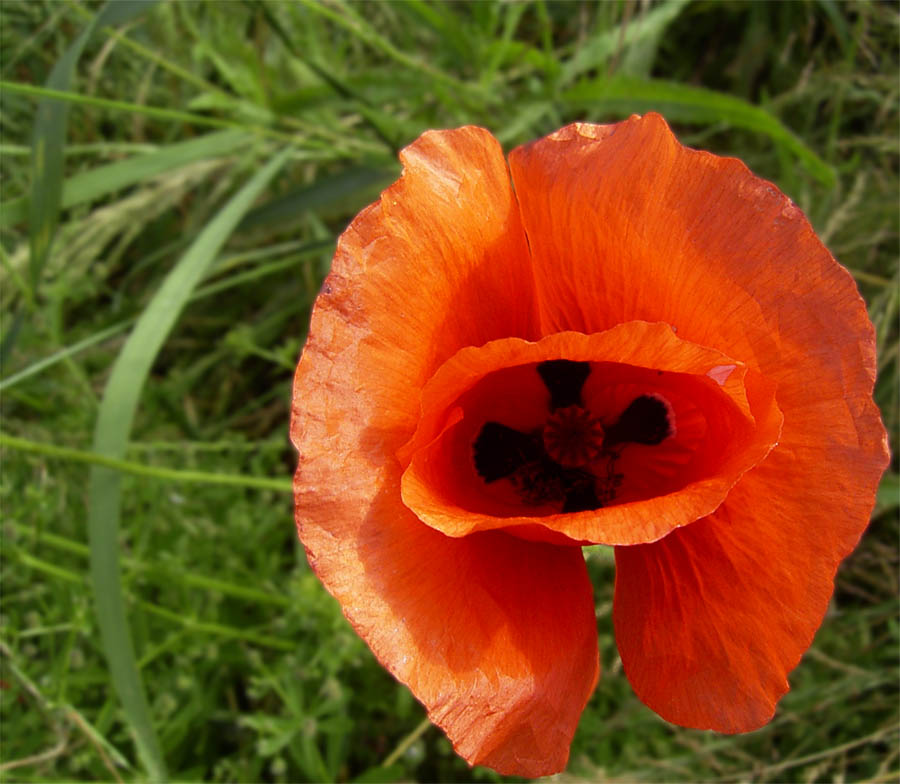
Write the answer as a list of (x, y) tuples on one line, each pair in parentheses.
[(615, 340)]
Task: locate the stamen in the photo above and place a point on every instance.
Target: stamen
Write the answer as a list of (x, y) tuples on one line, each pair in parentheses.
[(564, 380), (500, 451), (539, 483), (582, 497), (573, 462), (647, 420)]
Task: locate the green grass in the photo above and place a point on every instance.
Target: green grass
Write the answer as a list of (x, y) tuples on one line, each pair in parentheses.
[(224, 146)]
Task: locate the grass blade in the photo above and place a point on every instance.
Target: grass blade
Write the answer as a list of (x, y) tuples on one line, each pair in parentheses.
[(597, 51), (208, 290), (65, 97), (103, 180), (325, 192), (141, 469), (346, 17), (375, 119), (63, 353), (50, 135), (685, 103), (162, 571), (111, 433), (888, 497)]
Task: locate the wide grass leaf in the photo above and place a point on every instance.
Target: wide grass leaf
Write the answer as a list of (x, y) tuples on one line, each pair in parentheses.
[(114, 422), (322, 193), (96, 183)]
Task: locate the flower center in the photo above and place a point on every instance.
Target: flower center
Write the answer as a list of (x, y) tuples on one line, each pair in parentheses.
[(588, 448), (572, 437), (573, 459)]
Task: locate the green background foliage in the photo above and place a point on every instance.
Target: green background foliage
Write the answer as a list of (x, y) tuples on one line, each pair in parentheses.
[(175, 175)]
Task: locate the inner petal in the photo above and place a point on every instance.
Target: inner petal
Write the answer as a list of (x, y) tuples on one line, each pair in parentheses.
[(588, 446), (639, 435)]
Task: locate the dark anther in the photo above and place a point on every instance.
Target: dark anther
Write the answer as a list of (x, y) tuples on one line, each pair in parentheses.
[(581, 496), (539, 482), (564, 380), (504, 453), (500, 451), (645, 421)]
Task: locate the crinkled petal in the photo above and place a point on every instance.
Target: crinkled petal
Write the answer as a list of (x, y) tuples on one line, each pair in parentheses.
[(442, 244), (711, 619), (625, 223), (473, 626)]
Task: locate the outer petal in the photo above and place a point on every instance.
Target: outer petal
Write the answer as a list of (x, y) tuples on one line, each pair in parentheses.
[(710, 619), (494, 635), (475, 627), (416, 276), (625, 223)]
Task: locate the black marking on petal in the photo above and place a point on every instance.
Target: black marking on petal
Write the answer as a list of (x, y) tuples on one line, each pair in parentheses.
[(564, 380), (500, 451), (645, 421)]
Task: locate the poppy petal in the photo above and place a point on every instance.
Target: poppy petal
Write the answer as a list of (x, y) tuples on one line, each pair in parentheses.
[(625, 223), (710, 620), (473, 626), (453, 219)]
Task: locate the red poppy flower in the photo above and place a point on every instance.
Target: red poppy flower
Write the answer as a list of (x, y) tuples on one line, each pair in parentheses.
[(615, 340)]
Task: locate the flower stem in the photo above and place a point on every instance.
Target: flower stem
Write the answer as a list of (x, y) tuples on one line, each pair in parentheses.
[(404, 744)]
